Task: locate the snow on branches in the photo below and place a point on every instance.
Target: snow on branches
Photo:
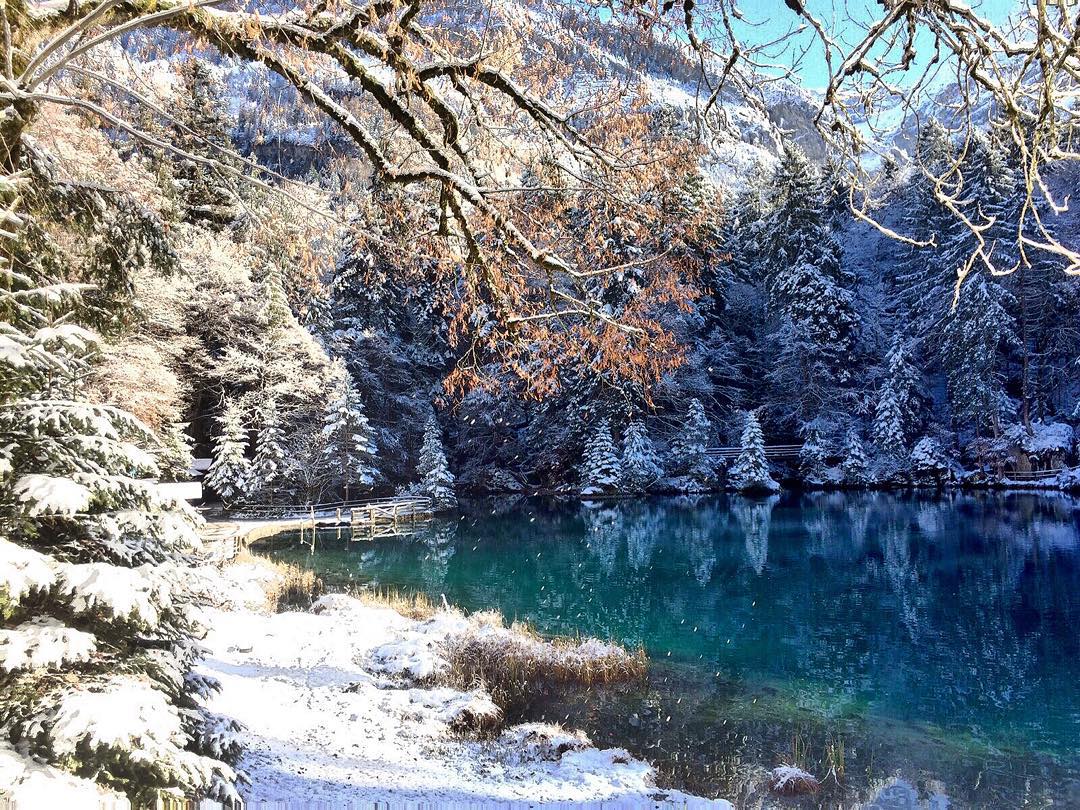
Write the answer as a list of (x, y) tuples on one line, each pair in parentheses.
[(91, 567)]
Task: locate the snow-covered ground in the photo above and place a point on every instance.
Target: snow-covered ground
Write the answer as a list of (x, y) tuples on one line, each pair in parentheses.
[(331, 716)]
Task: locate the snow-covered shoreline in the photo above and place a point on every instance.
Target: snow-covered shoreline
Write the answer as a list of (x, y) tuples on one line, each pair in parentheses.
[(346, 704), (329, 719)]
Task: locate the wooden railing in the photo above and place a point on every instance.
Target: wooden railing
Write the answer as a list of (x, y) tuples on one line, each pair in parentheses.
[(1031, 475), (771, 451), (408, 505), (390, 510)]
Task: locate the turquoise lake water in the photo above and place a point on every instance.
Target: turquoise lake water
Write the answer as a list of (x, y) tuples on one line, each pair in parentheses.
[(873, 636)]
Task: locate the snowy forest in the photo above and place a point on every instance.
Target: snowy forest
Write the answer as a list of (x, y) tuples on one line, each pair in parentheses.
[(315, 254)]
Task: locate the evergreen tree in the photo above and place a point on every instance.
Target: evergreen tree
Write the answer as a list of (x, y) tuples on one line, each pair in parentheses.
[(809, 296), (208, 195), (174, 457), (437, 482), (688, 449), (925, 273), (972, 341), (366, 289), (94, 610), (812, 456), (600, 469), (751, 470), (895, 413), (274, 310), (229, 474), (929, 464), (268, 468), (854, 465), (640, 462), (349, 450), (994, 197)]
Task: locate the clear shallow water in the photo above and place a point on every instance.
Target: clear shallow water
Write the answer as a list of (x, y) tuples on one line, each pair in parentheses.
[(934, 639)]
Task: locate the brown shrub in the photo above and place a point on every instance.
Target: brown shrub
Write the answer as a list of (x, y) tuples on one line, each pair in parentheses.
[(294, 588), (411, 605), (517, 665)]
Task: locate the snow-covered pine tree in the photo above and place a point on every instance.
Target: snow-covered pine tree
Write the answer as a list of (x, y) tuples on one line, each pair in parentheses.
[(366, 289), (854, 466), (975, 333), (436, 480), (208, 195), (929, 464), (640, 462), (925, 274), (751, 470), (809, 295), (600, 471), (888, 429), (274, 310), (349, 441), (812, 457), (895, 411), (688, 456), (229, 474), (97, 623), (268, 468), (174, 457)]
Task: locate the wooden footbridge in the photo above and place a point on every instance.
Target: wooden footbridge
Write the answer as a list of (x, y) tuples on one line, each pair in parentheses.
[(774, 451), (364, 519)]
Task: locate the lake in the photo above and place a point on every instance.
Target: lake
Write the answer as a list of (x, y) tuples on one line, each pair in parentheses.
[(924, 650)]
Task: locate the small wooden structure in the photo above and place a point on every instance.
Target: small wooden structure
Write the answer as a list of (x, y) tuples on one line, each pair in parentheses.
[(771, 451), (367, 520), (390, 510)]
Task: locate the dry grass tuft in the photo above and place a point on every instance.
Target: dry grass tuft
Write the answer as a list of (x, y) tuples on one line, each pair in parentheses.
[(294, 587), (519, 665), (416, 606)]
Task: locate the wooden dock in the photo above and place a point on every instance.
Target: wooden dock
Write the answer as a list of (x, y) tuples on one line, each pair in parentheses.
[(390, 510), (366, 520)]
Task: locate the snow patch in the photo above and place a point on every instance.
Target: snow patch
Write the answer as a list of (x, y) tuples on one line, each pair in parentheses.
[(43, 642), (29, 784), (138, 593), (45, 494), (541, 742), (23, 570)]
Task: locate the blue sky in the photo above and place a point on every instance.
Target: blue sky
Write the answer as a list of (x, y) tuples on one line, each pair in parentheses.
[(775, 20)]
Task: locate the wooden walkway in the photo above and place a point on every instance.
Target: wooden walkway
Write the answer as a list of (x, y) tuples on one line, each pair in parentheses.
[(771, 451), (365, 520)]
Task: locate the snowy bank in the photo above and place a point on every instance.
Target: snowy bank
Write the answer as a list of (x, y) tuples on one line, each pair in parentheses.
[(338, 705)]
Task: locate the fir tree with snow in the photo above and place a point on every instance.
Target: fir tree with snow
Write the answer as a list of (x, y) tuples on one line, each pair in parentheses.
[(174, 457), (209, 194), (688, 455), (600, 472), (750, 472), (929, 464), (349, 441), (268, 467), (640, 461), (812, 457), (895, 410), (366, 289), (973, 337), (854, 465), (97, 619), (924, 274), (229, 474), (809, 295), (436, 480)]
